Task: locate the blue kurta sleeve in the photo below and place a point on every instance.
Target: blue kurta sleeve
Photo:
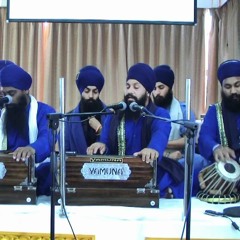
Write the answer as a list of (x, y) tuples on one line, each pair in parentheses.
[(160, 131), (209, 134)]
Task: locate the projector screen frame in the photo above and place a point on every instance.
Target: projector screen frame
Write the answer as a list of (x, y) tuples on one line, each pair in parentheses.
[(193, 21)]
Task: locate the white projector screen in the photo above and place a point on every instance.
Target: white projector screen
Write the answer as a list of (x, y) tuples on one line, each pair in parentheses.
[(111, 11)]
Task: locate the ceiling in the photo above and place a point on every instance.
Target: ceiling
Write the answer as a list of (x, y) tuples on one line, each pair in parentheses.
[(200, 3)]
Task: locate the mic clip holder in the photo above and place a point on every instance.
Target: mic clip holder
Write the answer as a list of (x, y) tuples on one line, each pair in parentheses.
[(54, 120)]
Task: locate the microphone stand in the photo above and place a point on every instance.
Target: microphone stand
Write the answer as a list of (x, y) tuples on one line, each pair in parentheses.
[(54, 124), (189, 156)]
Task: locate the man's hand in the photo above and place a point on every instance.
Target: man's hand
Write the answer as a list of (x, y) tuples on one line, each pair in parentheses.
[(175, 155), (223, 153), (148, 155), (95, 124), (95, 148), (23, 153)]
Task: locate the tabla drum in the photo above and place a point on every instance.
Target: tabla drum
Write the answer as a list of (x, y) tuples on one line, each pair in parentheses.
[(219, 182)]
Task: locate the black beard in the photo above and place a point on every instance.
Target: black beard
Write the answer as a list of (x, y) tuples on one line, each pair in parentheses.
[(164, 102), (134, 115), (15, 117), (90, 105), (232, 102)]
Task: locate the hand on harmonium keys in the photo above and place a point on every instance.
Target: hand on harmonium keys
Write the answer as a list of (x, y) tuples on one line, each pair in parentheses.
[(23, 153), (96, 148), (148, 155)]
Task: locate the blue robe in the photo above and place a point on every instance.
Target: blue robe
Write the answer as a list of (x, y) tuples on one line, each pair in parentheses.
[(209, 133), (209, 136), (75, 139), (159, 134), (133, 129), (42, 146)]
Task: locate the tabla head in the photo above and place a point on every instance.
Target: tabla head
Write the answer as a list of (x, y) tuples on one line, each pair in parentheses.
[(220, 181), (229, 170)]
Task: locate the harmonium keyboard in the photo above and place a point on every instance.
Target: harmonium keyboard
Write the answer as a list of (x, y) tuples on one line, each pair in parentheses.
[(17, 180), (110, 180)]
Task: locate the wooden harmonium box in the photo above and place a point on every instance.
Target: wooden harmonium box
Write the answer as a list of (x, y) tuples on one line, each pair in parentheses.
[(17, 181), (111, 180)]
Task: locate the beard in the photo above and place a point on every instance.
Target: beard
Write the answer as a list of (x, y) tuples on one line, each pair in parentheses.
[(91, 105), (15, 118), (164, 102), (232, 102), (141, 101)]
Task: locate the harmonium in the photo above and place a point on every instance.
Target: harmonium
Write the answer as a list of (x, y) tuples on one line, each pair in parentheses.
[(110, 180), (17, 180)]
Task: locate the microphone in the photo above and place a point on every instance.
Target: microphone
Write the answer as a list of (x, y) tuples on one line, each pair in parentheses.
[(5, 100), (118, 106), (135, 107)]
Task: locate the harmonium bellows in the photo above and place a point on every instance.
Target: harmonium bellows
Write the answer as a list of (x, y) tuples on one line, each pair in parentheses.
[(111, 180), (17, 180)]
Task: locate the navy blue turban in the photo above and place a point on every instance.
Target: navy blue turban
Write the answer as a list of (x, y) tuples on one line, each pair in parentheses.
[(4, 63), (89, 76), (14, 76), (144, 74), (165, 75), (229, 68)]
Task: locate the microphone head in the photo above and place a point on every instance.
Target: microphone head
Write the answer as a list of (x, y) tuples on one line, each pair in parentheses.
[(5, 100), (123, 106), (9, 99), (133, 106)]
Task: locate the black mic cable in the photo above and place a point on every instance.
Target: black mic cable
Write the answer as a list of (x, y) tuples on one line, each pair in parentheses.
[(219, 214)]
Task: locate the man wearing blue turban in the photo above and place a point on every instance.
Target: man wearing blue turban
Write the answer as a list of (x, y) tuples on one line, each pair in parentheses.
[(219, 137), (82, 131), (172, 182), (3, 64), (24, 125), (128, 132)]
